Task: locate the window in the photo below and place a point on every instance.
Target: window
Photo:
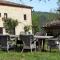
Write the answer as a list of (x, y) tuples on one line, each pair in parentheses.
[(24, 16), (1, 30), (5, 15), (0, 14)]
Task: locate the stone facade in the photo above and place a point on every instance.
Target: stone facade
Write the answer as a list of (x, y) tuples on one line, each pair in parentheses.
[(16, 12)]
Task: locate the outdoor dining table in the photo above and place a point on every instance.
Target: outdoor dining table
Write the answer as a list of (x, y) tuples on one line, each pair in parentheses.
[(43, 38)]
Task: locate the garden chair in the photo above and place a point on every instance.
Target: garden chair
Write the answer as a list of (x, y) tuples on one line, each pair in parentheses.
[(4, 42), (53, 43), (28, 42)]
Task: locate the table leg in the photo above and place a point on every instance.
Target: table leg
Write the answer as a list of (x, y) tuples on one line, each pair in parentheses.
[(39, 44), (43, 44)]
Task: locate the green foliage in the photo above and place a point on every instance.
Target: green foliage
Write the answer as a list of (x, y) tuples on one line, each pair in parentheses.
[(58, 0), (41, 18), (35, 22), (26, 28), (10, 25), (40, 0)]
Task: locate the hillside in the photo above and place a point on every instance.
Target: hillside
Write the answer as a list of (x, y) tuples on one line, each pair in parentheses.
[(41, 18)]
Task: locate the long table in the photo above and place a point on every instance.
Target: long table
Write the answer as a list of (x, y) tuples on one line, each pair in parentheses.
[(43, 37), (42, 40)]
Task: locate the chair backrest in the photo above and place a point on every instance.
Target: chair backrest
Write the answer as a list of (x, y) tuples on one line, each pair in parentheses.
[(40, 33), (4, 39), (53, 43), (22, 33), (27, 39)]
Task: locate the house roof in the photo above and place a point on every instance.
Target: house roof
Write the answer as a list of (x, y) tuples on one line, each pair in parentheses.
[(8, 3), (54, 23)]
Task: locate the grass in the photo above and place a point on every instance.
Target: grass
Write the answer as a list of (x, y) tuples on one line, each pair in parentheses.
[(29, 56)]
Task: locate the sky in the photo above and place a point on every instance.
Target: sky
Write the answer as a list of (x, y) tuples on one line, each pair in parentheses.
[(42, 6)]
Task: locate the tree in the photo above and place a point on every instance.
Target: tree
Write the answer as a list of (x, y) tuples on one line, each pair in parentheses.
[(35, 22), (10, 25), (58, 10), (58, 0), (38, 0)]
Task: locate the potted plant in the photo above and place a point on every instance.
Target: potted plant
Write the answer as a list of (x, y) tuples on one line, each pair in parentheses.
[(10, 25), (26, 29)]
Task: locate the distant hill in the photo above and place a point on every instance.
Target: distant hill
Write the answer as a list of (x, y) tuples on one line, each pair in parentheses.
[(41, 18)]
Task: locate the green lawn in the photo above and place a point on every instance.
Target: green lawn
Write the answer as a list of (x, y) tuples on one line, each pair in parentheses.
[(29, 56)]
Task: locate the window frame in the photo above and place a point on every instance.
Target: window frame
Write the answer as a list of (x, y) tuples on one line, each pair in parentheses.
[(25, 17), (5, 15), (0, 14)]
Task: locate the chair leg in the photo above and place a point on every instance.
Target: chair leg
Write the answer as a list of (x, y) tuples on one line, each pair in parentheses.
[(35, 49), (31, 50), (50, 49), (22, 50), (7, 48)]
